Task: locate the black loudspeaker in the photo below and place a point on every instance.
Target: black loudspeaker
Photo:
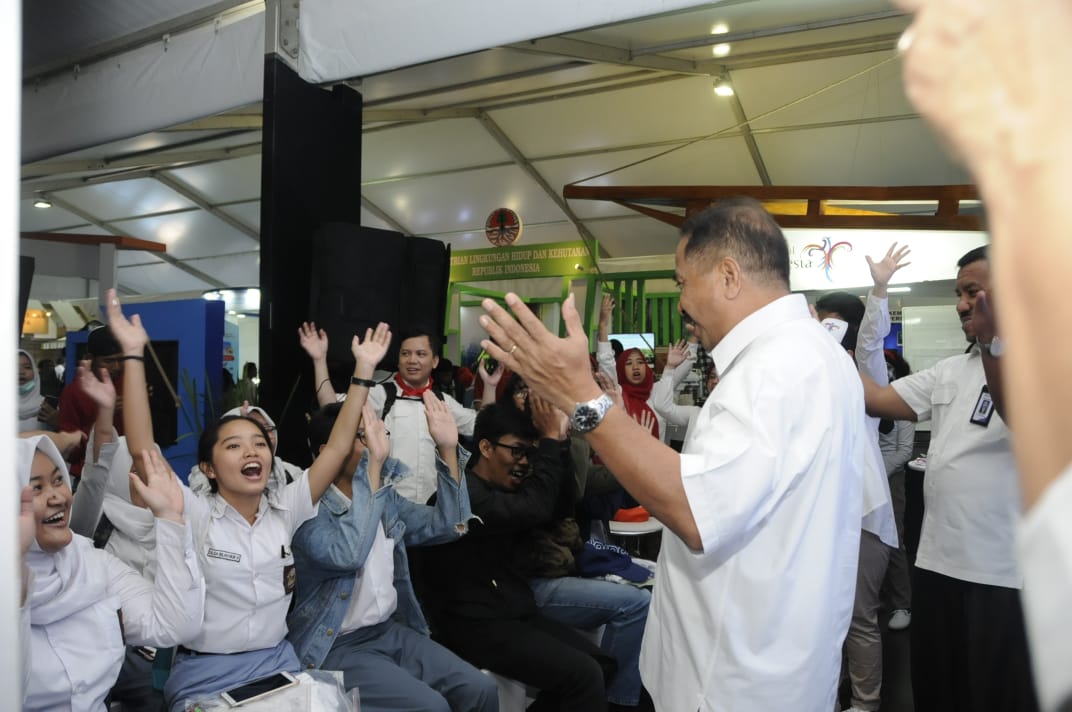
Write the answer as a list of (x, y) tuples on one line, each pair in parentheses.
[(364, 275), (26, 273)]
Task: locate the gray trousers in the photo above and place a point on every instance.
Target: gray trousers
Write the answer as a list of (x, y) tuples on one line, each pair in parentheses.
[(396, 669), (863, 644), (898, 586)]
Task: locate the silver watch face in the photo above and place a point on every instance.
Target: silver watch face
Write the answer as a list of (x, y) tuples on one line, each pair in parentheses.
[(587, 416), (997, 347)]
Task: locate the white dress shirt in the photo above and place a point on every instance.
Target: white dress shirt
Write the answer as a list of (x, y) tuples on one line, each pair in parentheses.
[(971, 493), (374, 598), (412, 444), (1046, 557), (246, 566), (609, 366), (771, 470), (75, 661)]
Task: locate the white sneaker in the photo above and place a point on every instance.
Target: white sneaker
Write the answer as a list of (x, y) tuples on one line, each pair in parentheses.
[(900, 619)]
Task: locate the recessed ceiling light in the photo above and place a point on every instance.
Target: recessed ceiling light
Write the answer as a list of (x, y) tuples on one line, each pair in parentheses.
[(42, 203), (719, 28), (721, 49), (899, 289), (723, 87)]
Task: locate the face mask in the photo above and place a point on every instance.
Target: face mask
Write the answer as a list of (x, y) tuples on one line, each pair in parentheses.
[(27, 388)]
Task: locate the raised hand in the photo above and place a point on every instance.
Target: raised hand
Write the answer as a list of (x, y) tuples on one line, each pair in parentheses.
[(677, 354), (883, 270), (983, 320), (371, 350), (375, 435), (491, 380), (611, 388), (606, 308), (161, 491), (313, 340), (557, 368), (130, 334), (646, 420), (101, 390), (441, 425), (552, 422)]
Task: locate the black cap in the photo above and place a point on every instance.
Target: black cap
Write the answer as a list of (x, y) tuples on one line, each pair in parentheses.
[(102, 342)]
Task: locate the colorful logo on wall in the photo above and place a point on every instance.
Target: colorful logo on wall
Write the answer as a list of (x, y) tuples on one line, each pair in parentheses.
[(826, 251)]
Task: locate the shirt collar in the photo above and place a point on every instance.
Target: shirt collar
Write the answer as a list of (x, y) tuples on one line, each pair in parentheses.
[(781, 311), (268, 499)]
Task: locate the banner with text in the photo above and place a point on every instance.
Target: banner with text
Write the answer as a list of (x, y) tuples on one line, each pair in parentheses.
[(554, 259)]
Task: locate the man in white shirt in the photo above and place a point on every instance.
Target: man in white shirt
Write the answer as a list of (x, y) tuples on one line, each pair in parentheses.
[(398, 402), (754, 591), (969, 649)]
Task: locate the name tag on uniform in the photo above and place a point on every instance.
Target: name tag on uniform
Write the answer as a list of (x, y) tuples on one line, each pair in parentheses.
[(984, 408), (225, 555)]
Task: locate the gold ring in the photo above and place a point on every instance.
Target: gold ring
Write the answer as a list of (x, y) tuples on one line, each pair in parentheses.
[(512, 350)]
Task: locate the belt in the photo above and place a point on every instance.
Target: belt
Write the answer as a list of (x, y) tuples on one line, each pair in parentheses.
[(182, 649)]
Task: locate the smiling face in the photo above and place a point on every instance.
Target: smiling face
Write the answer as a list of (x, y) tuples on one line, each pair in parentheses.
[(26, 370), (972, 278), (52, 504), (241, 460), (416, 360), (504, 463)]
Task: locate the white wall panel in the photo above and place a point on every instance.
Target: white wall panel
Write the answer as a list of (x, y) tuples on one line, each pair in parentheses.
[(194, 234), (682, 108), (425, 147), (120, 199)]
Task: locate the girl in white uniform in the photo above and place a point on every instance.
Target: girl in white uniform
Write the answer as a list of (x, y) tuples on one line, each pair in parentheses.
[(81, 603), (242, 530)]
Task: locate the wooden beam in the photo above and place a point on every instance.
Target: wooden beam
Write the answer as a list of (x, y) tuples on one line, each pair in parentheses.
[(800, 206), (121, 242)]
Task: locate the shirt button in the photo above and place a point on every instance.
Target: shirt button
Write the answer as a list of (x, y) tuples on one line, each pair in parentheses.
[(344, 596), (330, 631)]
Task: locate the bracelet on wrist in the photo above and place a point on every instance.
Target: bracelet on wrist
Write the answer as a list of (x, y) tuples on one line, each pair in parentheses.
[(132, 357), (366, 382)]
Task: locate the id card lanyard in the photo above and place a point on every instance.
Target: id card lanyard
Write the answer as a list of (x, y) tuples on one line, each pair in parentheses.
[(984, 408)]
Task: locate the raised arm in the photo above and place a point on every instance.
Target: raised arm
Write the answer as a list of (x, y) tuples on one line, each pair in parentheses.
[(876, 322), (885, 402), (367, 353), (554, 368), (137, 417), (604, 352), (315, 343)]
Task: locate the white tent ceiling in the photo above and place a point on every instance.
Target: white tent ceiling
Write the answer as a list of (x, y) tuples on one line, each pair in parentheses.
[(818, 101)]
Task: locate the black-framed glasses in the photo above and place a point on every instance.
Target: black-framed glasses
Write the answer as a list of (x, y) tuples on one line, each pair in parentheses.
[(517, 451)]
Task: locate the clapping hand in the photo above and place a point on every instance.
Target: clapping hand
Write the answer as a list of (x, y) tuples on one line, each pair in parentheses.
[(611, 388), (376, 439), (646, 420), (161, 490), (549, 420)]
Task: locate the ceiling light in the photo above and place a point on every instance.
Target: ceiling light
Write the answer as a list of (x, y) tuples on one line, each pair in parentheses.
[(721, 49), (42, 203), (899, 289), (719, 28), (723, 87)]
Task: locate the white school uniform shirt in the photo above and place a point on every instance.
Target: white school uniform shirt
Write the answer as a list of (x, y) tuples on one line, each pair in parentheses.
[(971, 492), (374, 598), (771, 470), (412, 444), (1046, 556), (609, 366), (248, 568)]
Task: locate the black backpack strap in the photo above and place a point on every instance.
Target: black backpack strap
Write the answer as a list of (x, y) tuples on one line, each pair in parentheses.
[(390, 392)]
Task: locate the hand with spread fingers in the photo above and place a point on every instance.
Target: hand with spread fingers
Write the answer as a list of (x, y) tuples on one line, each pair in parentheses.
[(161, 490), (677, 354), (130, 333), (883, 270), (314, 341), (556, 368)]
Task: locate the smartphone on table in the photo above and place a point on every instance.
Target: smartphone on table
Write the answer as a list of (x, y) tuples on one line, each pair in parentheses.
[(257, 689)]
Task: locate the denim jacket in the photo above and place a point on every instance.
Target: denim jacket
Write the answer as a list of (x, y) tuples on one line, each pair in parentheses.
[(330, 550)]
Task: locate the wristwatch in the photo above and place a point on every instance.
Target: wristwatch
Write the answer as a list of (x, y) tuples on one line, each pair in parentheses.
[(995, 348), (586, 416)]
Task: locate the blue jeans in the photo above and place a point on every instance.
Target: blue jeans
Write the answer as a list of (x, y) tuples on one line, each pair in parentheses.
[(589, 603)]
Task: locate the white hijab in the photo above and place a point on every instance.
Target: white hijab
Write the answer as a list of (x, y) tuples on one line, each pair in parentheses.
[(30, 403), (63, 583)]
